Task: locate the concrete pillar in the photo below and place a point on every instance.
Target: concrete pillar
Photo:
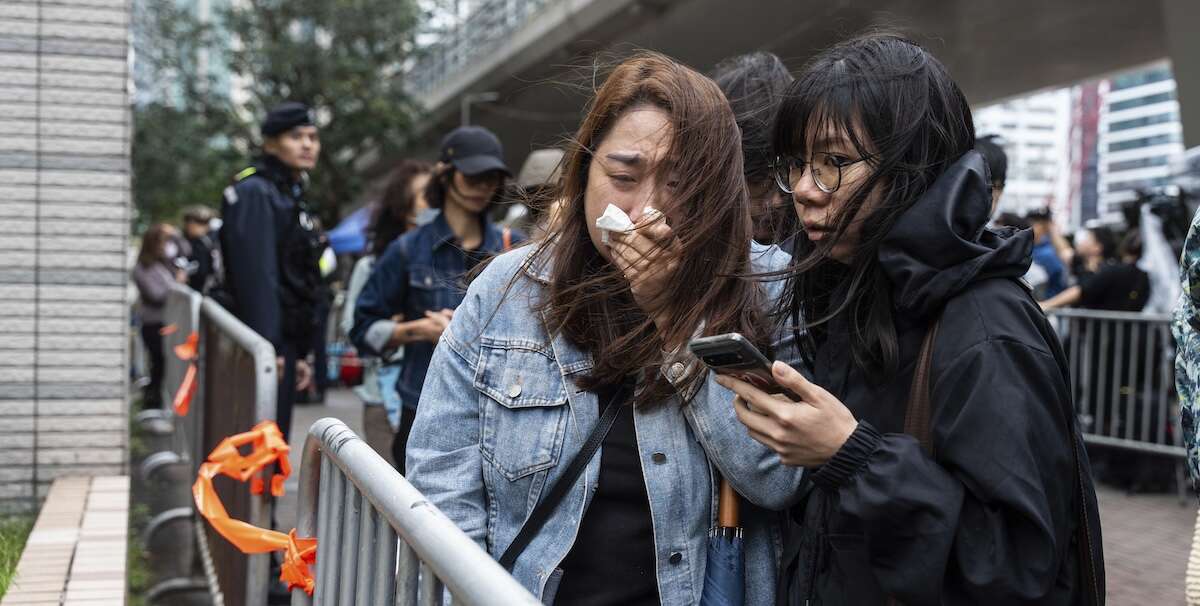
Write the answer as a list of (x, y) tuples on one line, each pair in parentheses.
[(1181, 20)]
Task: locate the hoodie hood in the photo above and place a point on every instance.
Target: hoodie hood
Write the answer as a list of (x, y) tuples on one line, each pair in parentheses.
[(942, 244)]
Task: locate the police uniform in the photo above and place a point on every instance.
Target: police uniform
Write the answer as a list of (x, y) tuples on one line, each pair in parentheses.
[(271, 247)]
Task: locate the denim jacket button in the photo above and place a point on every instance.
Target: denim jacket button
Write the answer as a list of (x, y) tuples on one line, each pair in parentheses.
[(659, 458), (676, 371), (515, 390), (676, 558)]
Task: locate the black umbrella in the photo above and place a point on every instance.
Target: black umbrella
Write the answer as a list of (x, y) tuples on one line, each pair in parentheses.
[(725, 573)]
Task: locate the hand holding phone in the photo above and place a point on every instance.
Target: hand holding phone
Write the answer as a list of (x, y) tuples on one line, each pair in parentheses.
[(733, 355)]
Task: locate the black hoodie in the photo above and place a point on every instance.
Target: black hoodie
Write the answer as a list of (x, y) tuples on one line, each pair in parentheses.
[(990, 517)]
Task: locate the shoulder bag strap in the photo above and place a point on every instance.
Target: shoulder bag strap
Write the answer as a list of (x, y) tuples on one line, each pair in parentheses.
[(917, 416), (541, 513)]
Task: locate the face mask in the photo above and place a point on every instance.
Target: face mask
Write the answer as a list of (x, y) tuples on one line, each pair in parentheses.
[(171, 250)]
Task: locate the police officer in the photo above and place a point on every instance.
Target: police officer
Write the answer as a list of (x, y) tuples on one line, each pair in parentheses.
[(272, 250)]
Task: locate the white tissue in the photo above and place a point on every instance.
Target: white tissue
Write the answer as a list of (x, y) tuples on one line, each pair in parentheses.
[(615, 219)]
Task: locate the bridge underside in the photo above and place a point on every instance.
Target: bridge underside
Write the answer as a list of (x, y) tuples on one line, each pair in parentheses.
[(995, 50)]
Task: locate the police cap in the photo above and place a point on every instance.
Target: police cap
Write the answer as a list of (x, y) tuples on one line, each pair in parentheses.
[(285, 117)]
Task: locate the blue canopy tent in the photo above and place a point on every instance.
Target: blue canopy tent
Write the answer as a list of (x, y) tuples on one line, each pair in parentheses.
[(350, 236)]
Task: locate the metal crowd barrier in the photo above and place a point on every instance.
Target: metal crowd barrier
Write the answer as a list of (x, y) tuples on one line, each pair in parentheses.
[(182, 310), (1122, 368), (379, 541), (238, 384)]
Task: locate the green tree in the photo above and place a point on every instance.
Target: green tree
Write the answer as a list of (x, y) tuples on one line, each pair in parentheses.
[(342, 57)]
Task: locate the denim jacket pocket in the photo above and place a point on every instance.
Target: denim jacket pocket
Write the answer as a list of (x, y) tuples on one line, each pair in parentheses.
[(430, 289), (524, 411)]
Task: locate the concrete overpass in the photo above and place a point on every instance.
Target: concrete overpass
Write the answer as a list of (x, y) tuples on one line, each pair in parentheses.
[(538, 54)]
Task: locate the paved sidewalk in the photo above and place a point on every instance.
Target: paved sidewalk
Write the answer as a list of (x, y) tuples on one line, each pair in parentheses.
[(75, 555), (1146, 543), (1146, 537), (339, 403)]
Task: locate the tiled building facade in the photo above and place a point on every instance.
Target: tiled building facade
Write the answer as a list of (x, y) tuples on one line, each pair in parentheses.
[(64, 224)]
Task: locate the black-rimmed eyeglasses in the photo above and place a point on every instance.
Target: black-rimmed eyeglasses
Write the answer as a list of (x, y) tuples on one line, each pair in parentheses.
[(826, 168)]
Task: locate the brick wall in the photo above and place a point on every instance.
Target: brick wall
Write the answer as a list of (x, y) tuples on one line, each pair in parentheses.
[(64, 222)]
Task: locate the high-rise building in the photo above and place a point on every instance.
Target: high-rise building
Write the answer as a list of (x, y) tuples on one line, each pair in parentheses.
[(1084, 153), (1139, 135), (1034, 131)]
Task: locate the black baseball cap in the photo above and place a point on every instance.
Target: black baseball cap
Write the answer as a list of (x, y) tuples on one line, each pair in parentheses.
[(285, 117), (473, 150)]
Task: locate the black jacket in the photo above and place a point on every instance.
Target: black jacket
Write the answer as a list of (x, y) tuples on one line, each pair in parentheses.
[(271, 249), (989, 519)]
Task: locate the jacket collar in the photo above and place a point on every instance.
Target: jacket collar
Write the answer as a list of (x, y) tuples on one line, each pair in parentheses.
[(537, 265), (270, 167)]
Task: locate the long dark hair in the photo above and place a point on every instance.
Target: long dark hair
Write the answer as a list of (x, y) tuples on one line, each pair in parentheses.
[(391, 217), (588, 300), (755, 84), (901, 110), (153, 244)]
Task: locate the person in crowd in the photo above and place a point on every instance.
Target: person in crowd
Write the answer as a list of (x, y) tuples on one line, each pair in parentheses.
[(1117, 285), (1035, 276), (153, 274), (202, 259), (1094, 248), (953, 478), (754, 86), (997, 162), (271, 247), (532, 205), (577, 340), (396, 212), (1051, 251), (415, 286), (314, 392)]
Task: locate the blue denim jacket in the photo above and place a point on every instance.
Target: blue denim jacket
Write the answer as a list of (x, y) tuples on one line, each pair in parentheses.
[(500, 418), (421, 271)]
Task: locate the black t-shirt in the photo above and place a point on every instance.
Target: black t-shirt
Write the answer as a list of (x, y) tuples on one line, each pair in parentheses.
[(1115, 287), (612, 561)]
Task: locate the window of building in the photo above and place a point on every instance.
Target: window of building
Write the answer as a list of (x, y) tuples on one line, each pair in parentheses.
[(1138, 184), (1117, 167), (1143, 121), (1143, 142), (1142, 101), (1148, 76)]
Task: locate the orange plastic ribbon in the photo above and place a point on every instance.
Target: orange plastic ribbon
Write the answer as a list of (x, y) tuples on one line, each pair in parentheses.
[(268, 447), (169, 329), (187, 351)]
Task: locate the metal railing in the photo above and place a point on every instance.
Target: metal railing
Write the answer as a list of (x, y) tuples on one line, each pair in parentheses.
[(182, 311), (379, 540), (1123, 376), (238, 383), (489, 24)]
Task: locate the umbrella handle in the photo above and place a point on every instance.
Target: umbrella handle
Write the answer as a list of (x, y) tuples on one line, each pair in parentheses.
[(727, 506)]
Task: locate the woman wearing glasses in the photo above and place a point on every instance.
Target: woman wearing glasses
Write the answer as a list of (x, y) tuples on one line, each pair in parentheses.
[(944, 465)]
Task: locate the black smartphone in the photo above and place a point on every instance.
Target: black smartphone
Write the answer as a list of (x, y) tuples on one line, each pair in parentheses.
[(733, 355)]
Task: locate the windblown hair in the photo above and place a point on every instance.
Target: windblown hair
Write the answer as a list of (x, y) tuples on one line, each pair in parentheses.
[(391, 217), (154, 242), (755, 84), (588, 301), (901, 110)]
